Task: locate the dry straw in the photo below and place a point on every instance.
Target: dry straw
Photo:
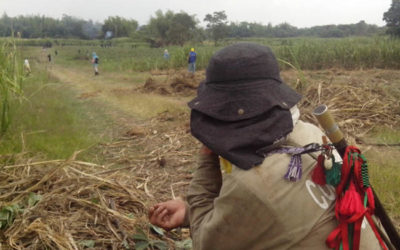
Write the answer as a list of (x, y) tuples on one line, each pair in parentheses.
[(358, 106), (84, 203), (78, 202)]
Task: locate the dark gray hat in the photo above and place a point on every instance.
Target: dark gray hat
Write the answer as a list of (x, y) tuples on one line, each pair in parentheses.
[(242, 81), (242, 109)]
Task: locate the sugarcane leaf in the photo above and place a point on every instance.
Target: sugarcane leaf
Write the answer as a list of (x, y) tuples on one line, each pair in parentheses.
[(140, 236), (156, 229), (33, 199), (87, 243), (141, 245), (184, 244), (160, 245)]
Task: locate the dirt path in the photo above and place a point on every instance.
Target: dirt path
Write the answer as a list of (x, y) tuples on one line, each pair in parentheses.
[(154, 136), (119, 93)]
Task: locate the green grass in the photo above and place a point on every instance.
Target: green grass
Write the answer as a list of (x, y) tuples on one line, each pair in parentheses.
[(147, 106), (386, 135), (10, 81), (304, 53), (52, 122), (384, 170), (385, 177), (125, 58)]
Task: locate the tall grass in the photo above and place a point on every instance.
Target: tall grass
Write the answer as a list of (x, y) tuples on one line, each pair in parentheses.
[(10, 82), (54, 124), (125, 58), (346, 53), (304, 53), (385, 177), (46, 42)]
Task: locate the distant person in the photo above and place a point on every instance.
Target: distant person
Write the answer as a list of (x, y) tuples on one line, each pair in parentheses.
[(192, 61), (27, 67), (49, 57), (95, 62), (56, 52), (166, 54)]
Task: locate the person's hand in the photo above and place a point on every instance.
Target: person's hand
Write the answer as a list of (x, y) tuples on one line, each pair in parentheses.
[(169, 214), (206, 151)]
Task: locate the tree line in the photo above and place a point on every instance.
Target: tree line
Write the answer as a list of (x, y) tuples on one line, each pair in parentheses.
[(165, 28)]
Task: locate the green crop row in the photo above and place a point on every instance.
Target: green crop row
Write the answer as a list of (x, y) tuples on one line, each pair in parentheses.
[(302, 53)]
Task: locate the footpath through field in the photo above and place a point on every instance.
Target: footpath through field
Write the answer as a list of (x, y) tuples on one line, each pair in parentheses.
[(118, 91), (153, 128)]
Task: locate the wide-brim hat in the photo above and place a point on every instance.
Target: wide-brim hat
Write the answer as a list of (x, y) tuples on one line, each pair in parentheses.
[(243, 81)]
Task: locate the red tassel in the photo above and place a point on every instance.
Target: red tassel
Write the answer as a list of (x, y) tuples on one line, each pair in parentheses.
[(318, 174), (371, 200), (351, 202)]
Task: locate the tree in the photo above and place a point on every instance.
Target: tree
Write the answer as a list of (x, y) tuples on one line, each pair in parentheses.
[(181, 28), (285, 30), (91, 30), (158, 27), (241, 29), (217, 25), (392, 18), (170, 28), (120, 27)]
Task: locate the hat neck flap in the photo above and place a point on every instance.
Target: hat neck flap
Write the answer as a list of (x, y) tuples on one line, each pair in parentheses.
[(240, 141)]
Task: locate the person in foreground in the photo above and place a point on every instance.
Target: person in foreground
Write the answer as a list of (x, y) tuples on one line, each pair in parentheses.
[(244, 114)]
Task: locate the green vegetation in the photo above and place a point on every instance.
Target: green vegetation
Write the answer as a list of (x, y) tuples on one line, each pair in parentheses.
[(383, 170), (41, 26), (303, 53), (347, 53), (119, 27), (392, 18), (174, 28), (217, 25), (51, 122), (10, 82), (169, 28), (123, 57)]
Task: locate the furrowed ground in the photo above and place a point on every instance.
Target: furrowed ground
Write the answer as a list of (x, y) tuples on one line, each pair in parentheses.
[(145, 153)]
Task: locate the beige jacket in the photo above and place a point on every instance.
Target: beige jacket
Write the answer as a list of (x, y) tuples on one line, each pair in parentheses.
[(259, 209)]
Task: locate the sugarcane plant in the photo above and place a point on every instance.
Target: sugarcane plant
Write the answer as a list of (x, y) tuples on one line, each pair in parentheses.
[(10, 81)]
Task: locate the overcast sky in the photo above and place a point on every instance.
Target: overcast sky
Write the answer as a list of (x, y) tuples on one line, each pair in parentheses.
[(300, 13)]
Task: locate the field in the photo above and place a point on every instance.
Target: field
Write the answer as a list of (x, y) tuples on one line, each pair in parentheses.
[(85, 156)]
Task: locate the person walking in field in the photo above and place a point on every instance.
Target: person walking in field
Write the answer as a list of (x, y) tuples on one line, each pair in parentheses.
[(192, 61), (27, 67), (247, 119), (166, 55), (95, 63)]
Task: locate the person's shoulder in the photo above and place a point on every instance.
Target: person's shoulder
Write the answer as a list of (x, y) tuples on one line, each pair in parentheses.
[(304, 133)]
